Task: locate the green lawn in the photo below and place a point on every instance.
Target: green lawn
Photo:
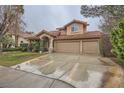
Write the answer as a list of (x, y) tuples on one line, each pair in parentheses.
[(13, 58)]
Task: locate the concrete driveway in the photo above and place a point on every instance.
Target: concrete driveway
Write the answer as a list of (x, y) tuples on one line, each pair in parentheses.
[(77, 70), (11, 78)]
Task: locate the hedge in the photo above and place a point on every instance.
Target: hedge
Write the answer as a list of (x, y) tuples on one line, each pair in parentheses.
[(24, 47), (10, 49)]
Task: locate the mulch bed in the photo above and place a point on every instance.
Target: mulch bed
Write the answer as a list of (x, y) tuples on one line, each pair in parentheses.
[(121, 64), (105, 79)]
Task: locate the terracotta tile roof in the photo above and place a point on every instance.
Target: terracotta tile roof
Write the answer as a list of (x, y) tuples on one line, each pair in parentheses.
[(86, 35), (52, 33), (33, 38), (77, 21), (22, 34), (73, 21), (26, 34), (55, 33)]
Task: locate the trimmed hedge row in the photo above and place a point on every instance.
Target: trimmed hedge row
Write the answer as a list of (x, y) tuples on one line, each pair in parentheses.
[(11, 49), (35, 47)]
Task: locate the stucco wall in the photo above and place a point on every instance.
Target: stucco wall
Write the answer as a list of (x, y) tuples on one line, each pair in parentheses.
[(62, 32), (81, 29), (22, 39), (13, 37)]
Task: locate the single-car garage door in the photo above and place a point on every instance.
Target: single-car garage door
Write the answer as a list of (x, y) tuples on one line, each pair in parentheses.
[(91, 47), (67, 47)]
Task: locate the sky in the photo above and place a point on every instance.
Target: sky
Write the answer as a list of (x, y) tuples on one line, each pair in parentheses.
[(50, 17)]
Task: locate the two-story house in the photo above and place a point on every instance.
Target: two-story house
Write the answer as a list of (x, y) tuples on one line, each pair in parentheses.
[(73, 37)]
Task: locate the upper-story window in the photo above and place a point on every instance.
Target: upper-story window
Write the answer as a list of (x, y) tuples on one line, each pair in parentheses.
[(74, 27)]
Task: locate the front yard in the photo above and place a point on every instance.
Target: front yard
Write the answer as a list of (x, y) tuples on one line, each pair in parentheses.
[(13, 58)]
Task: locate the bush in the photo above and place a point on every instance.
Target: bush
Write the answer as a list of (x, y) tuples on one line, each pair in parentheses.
[(117, 40), (36, 47), (10, 49), (24, 47)]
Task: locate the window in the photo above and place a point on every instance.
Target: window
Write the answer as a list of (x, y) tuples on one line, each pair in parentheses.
[(21, 41), (74, 28)]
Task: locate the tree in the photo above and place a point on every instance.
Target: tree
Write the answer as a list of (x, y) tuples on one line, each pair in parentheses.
[(7, 41), (18, 24), (117, 40), (109, 15), (10, 17)]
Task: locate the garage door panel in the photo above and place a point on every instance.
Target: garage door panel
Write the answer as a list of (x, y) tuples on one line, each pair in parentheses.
[(67, 47), (91, 47)]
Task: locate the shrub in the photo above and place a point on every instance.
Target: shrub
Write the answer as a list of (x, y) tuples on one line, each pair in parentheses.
[(117, 40), (10, 49), (36, 47), (24, 47)]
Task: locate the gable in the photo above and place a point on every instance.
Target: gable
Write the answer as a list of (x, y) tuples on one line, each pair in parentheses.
[(45, 35), (73, 21), (44, 32)]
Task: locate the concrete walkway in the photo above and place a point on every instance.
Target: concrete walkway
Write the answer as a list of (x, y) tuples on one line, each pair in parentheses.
[(11, 78)]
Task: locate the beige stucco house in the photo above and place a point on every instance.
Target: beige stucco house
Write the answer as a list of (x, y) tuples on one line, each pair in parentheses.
[(73, 37), (21, 37)]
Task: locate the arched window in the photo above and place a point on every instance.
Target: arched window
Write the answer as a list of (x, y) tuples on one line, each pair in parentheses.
[(74, 27)]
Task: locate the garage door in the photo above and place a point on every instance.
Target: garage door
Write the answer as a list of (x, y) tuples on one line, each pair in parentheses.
[(91, 47), (67, 47)]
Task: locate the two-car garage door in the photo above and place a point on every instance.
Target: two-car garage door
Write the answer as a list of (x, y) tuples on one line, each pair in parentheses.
[(88, 47), (67, 47)]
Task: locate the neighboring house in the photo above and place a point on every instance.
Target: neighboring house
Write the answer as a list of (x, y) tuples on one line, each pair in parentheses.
[(73, 37), (22, 37)]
